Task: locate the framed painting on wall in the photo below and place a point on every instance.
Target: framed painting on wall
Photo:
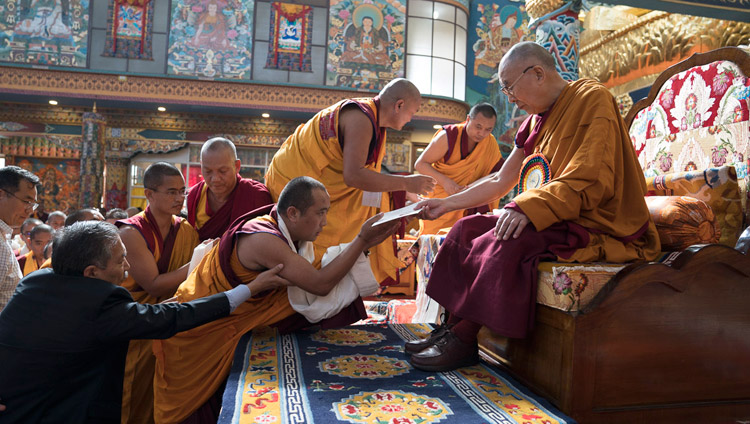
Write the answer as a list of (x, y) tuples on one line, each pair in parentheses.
[(211, 38), (44, 32), (365, 43)]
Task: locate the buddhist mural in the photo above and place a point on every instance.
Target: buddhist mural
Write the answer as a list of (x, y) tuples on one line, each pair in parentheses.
[(365, 43), (44, 32), (493, 29), (58, 182), (211, 38)]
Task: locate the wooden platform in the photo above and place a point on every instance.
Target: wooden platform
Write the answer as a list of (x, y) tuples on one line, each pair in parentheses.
[(659, 344)]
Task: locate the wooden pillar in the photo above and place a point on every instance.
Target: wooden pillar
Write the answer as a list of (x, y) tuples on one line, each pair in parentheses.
[(92, 160)]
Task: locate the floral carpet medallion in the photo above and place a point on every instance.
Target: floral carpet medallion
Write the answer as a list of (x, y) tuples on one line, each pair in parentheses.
[(391, 407), (360, 374), (365, 366), (348, 337)]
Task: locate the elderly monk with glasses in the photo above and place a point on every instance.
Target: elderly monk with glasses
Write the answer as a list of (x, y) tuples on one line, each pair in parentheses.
[(581, 200)]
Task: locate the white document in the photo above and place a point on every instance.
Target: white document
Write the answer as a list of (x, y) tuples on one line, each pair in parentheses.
[(399, 213), (371, 198)]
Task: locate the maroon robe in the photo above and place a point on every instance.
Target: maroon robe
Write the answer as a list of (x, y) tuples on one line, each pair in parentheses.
[(145, 223), (247, 196)]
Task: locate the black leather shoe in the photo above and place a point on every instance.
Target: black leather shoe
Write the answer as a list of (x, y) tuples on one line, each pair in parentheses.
[(446, 354), (415, 346)]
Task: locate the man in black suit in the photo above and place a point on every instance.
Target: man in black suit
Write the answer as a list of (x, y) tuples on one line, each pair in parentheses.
[(65, 332)]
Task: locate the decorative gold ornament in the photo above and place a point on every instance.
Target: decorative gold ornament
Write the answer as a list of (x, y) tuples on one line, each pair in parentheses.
[(538, 8), (632, 57)]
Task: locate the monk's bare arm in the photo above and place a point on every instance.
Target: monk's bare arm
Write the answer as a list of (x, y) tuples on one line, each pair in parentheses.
[(480, 194), (435, 151), (355, 129), (261, 251), (143, 266)]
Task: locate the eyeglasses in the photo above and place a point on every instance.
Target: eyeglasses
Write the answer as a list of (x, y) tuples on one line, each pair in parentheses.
[(172, 192), (508, 89), (28, 203)]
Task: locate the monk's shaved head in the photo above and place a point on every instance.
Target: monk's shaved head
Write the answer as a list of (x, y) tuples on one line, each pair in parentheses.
[(217, 144), (400, 89), (528, 53)]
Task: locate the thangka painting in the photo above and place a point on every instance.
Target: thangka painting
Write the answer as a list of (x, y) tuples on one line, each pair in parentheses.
[(129, 29), (493, 29), (290, 36), (397, 157), (44, 32), (211, 38), (58, 182), (365, 43)]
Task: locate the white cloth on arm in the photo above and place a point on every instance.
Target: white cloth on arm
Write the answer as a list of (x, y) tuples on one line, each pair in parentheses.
[(359, 281), (10, 271)]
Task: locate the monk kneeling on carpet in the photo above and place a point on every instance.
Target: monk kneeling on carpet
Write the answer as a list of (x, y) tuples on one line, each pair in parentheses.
[(192, 366), (582, 192)]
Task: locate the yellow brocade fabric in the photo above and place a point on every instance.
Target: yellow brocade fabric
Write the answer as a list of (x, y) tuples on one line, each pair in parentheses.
[(193, 364), (138, 393), (30, 265), (596, 182), (476, 165), (201, 215), (320, 156)]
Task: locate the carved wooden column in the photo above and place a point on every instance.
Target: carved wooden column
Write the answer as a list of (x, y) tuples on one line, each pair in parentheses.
[(92, 160)]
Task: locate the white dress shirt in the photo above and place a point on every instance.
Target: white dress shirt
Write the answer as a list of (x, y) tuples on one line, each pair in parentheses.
[(10, 271)]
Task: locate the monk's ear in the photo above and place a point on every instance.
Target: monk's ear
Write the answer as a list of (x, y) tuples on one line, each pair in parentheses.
[(237, 166), (292, 213), (400, 104)]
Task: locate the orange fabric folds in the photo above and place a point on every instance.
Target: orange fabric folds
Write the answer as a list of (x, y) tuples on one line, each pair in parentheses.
[(138, 392), (314, 150), (191, 366), (597, 181)]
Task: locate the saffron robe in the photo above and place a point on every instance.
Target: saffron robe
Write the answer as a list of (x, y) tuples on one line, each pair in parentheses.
[(27, 263), (170, 253), (464, 167), (248, 195), (193, 364), (315, 150), (593, 209)]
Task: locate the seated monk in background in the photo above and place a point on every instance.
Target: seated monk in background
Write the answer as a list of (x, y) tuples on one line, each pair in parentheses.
[(460, 155), (192, 366), (223, 195), (39, 237), (159, 245), (590, 207)]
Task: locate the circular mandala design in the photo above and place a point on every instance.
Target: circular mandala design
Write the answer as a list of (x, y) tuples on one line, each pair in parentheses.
[(348, 337), (391, 406), (535, 173), (364, 366)]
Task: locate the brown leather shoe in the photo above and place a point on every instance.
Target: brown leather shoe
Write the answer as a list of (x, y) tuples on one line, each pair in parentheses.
[(446, 354), (415, 346)]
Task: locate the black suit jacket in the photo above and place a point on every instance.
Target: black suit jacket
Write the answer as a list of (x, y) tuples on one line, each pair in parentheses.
[(63, 342)]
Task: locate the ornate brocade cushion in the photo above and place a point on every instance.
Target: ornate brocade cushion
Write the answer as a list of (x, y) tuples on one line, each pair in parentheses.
[(571, 286), (718, 187), (682, 221)]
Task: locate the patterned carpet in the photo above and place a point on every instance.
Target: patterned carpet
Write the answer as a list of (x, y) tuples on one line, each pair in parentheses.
[(361, 375)]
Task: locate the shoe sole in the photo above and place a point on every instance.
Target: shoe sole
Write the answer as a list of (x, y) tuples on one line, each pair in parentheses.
[(443, 368)]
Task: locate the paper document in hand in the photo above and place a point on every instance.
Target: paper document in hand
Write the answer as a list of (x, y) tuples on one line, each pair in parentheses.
[(399, 213)]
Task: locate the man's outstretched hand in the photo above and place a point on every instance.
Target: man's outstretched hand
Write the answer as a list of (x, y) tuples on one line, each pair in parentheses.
[(374, 235)]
